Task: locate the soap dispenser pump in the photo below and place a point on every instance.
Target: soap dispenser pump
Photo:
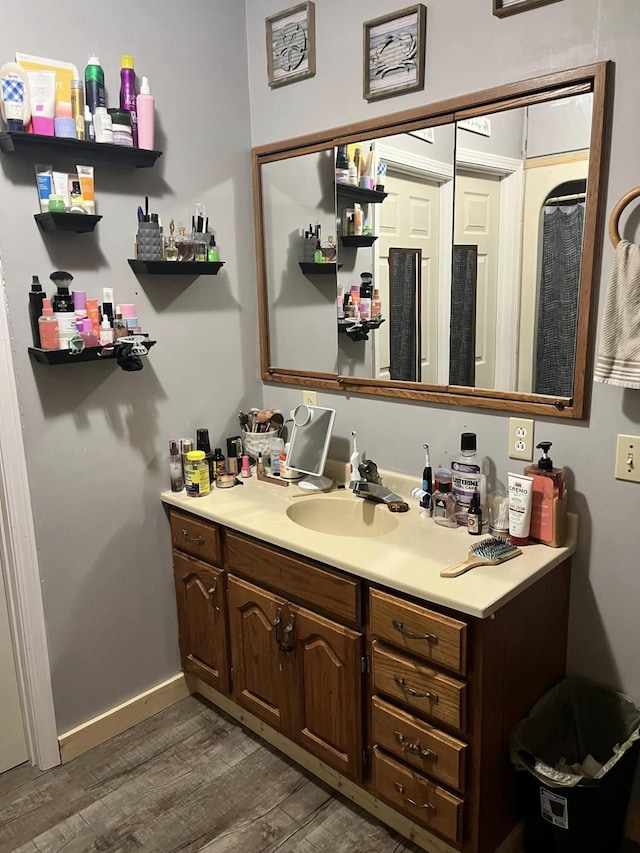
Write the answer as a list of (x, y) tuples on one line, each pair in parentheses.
[(549, 500)]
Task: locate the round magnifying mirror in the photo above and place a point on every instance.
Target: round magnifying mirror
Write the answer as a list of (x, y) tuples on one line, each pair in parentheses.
[(302, 415)]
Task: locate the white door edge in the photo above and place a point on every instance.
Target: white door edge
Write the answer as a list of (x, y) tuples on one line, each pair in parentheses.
[(22, 576)]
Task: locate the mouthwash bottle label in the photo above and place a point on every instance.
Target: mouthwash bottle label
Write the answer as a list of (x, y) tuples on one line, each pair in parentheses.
[(465, 479)]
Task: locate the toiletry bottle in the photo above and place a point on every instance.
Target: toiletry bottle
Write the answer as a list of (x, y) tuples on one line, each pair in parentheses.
[(276, 447), (549, 500), (89, 129), (366, 293), (202, 443), (352, 173), (103, 125), (146, 119), (342, 165), (80, 305), (474, 516), (219, 462), (36, 300), (245, 471), (465, 473), (119, 328), (77, 106), (212, 251), (196, 475), (93, 313), (63, 309), (87, 334), (94, 84), (317, 256), (175, 466), (48, 327), (106, 332), (260, 471), (376, 305), (186, 446), (354, 460), (444, 505), (128, 94)]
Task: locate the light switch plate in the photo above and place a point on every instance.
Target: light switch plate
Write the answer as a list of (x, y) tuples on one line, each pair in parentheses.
[(309, 398), (628, 458), (521, 438)]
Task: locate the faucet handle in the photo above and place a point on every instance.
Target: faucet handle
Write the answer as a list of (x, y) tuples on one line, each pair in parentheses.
[(369, 472)]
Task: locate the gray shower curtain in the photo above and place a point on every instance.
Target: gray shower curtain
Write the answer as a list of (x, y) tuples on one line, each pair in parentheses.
[(558, 300)]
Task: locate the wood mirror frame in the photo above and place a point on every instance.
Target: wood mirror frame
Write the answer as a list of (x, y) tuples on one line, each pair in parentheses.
[(595, 79)]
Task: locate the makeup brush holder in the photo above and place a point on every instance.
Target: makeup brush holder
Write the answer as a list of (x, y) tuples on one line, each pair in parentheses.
[(255, 443), (149, 241)]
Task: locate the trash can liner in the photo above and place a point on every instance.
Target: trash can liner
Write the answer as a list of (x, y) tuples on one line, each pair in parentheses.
[(571, 720)]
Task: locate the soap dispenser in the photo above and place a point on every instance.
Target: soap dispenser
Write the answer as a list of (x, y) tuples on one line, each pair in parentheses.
[(549, 500)]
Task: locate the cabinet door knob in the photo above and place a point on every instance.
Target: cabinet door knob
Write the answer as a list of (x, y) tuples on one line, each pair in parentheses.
[(199, 540), (400, 789), (429, 694), (415, 748), (399, 626)]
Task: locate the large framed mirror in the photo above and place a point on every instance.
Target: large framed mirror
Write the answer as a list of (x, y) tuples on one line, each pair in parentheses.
[(448, 253)]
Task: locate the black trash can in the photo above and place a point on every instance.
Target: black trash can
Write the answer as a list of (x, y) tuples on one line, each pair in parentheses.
[(576, 753)]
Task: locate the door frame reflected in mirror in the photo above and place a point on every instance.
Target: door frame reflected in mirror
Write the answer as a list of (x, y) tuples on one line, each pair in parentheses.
[(595, 79)]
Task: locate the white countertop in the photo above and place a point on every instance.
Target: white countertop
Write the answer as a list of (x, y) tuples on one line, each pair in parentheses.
[(408, 559)]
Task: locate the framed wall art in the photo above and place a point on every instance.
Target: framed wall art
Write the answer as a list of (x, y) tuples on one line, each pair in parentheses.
[(503, 8), (394, 53), (291, 45)]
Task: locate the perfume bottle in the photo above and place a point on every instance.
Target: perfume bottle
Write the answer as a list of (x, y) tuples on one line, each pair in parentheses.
[(184, 245), (170, 250)]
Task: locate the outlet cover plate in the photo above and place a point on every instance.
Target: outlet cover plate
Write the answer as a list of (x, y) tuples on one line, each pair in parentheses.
[(521, 438), (309, 398), (628, 458)]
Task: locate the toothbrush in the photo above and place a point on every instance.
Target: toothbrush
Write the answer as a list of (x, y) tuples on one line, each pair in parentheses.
[(427, 476), (354, 461)]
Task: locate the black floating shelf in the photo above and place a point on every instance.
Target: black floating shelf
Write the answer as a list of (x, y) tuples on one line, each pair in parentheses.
[(359, 241), (351, 193), (64, 356), (175, 267), (81, 223), (369, 325), (319, 269), (26, 143)]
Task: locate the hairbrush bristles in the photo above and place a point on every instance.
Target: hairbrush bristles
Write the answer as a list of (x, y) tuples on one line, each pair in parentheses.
[(492, 548)]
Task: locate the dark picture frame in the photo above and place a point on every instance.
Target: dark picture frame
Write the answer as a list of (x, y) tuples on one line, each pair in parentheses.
[(393, 53), (504, 8), (291, 45)]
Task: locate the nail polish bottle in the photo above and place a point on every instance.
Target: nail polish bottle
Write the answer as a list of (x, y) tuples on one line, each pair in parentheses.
[(246, 468)]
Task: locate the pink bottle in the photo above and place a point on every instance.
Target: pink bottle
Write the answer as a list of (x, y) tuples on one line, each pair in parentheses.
[(146, 119), (87, 334), (48, 327)]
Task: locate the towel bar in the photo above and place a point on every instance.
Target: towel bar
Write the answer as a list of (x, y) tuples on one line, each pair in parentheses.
[(614, 220)]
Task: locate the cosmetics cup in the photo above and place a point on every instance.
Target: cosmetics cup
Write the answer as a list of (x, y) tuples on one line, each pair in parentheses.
[(65, 128), (366, 182)]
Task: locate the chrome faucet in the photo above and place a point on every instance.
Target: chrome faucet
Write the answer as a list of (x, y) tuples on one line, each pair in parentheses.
[(371, 488)]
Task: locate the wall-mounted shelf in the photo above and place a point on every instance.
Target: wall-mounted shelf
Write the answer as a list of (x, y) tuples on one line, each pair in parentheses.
[(359, 241), (362, 196), (31, 143), (175, 267), (359, 332), (81, 223), (319, 269), (53, 357)]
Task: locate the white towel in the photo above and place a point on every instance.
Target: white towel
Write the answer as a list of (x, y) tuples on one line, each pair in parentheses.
[(618, 361)]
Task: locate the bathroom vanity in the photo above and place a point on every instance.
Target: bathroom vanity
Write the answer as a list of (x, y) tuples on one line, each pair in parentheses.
[(322, 623)]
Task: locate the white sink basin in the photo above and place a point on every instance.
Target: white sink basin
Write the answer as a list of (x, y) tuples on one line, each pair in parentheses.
[(342, 517)]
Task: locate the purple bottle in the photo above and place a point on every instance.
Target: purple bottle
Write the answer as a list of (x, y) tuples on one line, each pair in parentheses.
[(128, 94)]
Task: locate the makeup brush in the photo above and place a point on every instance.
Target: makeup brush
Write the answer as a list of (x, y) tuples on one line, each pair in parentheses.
[(488, 552)]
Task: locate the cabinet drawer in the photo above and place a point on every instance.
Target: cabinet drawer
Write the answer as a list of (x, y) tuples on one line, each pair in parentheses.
[(419, 744), (305, 582), (421, 800), (198, 538), (417, 629), (427, 690)]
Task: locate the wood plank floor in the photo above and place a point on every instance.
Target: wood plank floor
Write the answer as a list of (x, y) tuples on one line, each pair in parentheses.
[(189, 779)]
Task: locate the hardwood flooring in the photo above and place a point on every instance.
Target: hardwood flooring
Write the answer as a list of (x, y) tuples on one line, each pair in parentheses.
[(189, 779)]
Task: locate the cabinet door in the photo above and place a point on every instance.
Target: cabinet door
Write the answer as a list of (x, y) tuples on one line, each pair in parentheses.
[(200, 594), (327, 697), (260, 669)]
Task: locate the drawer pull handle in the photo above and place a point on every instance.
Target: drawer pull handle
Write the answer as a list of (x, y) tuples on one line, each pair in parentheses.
[(287, 645), (400, 789), (199, 540), (212, 594), (399, 626), (429, 694), (415, 748)]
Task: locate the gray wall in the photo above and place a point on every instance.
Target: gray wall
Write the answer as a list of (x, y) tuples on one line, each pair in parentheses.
[(605, 631), (96, 437)]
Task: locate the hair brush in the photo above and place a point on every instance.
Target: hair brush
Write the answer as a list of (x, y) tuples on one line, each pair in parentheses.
[(487, 552)]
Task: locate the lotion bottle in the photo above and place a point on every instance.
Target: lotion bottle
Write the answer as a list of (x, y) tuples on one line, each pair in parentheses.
[(48, 327), (549, 500), (146, 119)]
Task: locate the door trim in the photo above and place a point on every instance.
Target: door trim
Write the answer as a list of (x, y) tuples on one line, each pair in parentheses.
[(20, 558)]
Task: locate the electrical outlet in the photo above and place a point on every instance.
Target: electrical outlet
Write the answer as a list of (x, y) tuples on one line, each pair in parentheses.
[(521, 439), (628, 458), (310, 398)]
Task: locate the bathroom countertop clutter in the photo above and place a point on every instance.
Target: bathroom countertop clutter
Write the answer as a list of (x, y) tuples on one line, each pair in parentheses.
[(405, 552)]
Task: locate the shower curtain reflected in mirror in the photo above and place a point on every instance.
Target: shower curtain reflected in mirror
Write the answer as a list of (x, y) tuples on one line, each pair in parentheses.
[(558, 293), (462, 334), (405, 283)]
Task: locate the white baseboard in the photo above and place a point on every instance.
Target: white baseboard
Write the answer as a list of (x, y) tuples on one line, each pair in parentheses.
[(122, 717)]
